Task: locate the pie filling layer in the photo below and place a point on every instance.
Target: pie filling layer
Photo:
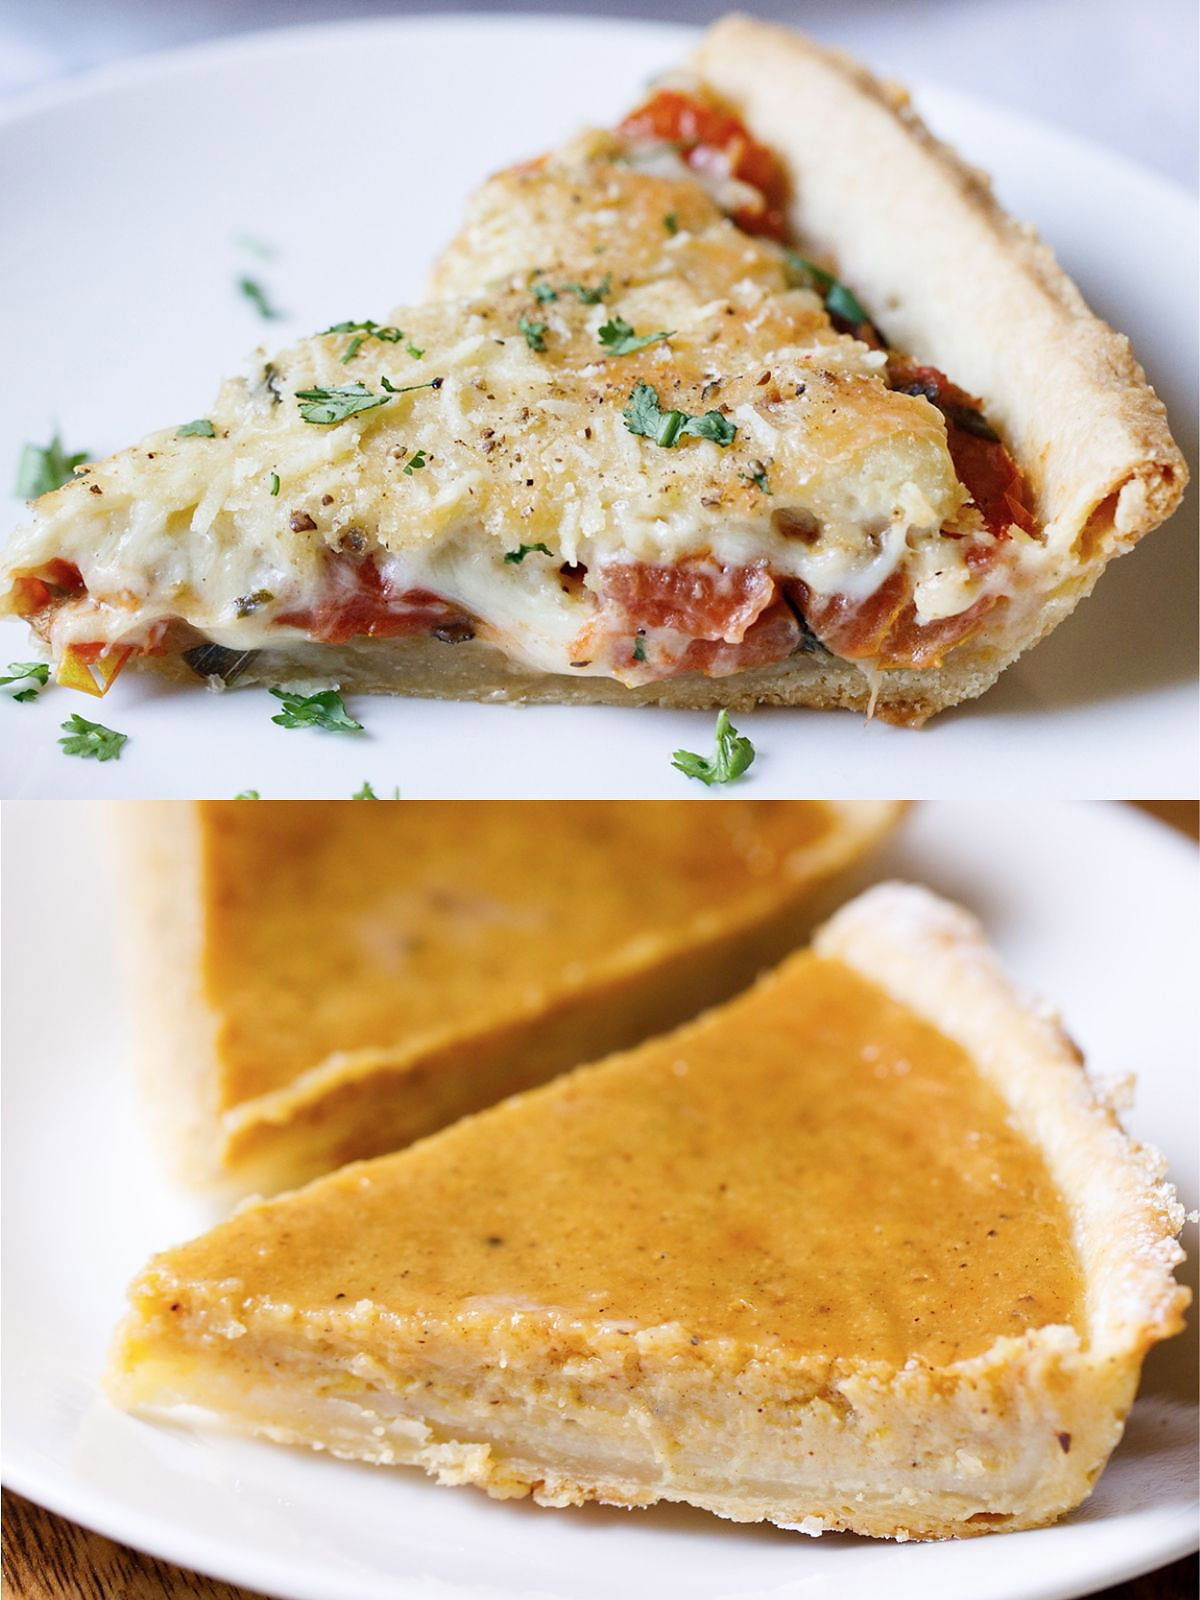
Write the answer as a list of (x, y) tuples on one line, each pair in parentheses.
[(812, 1171), (324, 937), (636, 436)]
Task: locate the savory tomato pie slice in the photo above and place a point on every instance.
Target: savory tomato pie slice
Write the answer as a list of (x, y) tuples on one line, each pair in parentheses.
[(860, 1250), (319, 982), (644, 445)]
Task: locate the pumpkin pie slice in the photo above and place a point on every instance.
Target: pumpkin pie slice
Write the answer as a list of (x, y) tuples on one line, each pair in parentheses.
[(861, 1249), (322, 982)]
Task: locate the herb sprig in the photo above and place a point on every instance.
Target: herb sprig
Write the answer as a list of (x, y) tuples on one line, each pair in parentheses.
[(328, 406), (202, 428), (321, 710), (515, 557), (643, 415), (91, 740), (732, 756), (620, 339), (253, 291), (34, 674), (839, 301), (43, 467)]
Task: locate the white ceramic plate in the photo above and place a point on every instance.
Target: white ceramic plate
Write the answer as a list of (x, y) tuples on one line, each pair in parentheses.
[(352, 149), (1092, 905)]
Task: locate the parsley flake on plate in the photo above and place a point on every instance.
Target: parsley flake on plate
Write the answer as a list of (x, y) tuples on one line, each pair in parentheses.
[(757, 476), (733, 754), (535, 333), (518, 555), (253, 291), (274, 489), (43, 467), (367, 793), (643, 415), (34, 674), (321, 710), (248, 794), (92, 740), (639, 648), (671, 222), (202, 428), (414, 464), (620, 339)]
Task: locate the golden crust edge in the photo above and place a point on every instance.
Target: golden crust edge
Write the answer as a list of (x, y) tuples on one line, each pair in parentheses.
[(1082, 383)]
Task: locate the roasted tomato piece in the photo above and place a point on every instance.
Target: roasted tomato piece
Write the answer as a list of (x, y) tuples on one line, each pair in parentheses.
[(884, 628), (696, 596), (984, 466), (773, 636), (50, 585), (357, 601), (713, 140)]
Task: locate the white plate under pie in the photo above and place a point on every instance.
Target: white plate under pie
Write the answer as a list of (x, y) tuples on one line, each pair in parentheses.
[(351, 151), (1093, 906)]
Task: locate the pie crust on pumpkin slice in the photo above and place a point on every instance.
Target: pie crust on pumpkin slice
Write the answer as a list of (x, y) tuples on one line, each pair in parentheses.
[(705, 411), (321, 982), (861, 1249)]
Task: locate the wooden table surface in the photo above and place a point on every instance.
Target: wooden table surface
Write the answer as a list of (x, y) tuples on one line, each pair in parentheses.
[(45, 1557)]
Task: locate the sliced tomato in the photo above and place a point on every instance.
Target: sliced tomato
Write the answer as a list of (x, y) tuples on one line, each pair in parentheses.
[(885, 628), (712, 139), (983, 464), (772, 636), (358, 601), (696, 596)]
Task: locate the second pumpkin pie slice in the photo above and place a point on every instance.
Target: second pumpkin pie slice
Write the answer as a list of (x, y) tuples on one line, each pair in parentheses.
[(322, 982), (859, 1250)]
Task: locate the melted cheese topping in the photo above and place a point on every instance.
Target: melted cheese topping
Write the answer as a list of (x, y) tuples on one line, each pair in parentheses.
[(527, 446), (813, 1166)]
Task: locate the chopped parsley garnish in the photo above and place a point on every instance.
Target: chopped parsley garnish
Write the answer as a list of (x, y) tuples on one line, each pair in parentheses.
[(413, 351), (643, 415), (619, 339), (586, 296), (733, 754), (671, 222), (542, 292), (327, 406), (367, 329), (43, 467), (367, 793), (321, 710), (248, 794), (414, 464), (274, 483), (91, 740), (518, 555), (257, 296), (758, 476), (839, 301), (34, 674), (202, 428), (639, 648), (534, 333), (256, 247)]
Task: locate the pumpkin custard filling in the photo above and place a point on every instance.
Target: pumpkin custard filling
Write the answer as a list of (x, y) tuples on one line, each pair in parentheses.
[(635, 437), (314, 989), (825, 1257)]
